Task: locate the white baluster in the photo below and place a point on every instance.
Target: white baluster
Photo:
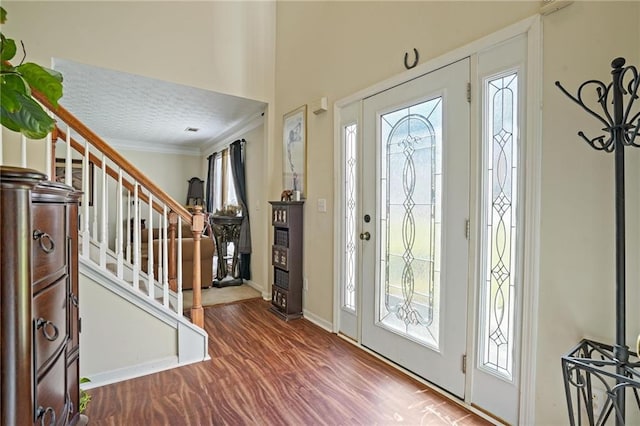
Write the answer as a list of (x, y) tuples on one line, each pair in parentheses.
[(179, 267), (103, 215), (165, 261), (68, 178), (94, 232), (119, 239), (136, 238), (47, 156), (150, 248), (128, 225), (86, 235), (23, 151)]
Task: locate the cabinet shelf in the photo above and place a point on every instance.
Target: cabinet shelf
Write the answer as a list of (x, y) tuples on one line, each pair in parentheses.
[(286, 259)]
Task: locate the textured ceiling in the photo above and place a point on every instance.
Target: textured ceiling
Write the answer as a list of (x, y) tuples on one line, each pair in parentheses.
[(135, 112)]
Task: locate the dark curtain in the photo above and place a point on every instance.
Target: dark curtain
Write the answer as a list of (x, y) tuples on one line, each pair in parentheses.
[(238, 173), (210, 196)]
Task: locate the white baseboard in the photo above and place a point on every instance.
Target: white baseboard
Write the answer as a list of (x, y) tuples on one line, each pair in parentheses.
[(326, 325), (265, 294), (131, 372)]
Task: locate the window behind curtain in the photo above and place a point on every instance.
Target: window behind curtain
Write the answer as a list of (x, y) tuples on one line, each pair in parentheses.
[(224, 189)]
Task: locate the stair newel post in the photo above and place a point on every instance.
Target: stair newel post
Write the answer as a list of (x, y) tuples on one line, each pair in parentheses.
[(197, 314), (173, 220)]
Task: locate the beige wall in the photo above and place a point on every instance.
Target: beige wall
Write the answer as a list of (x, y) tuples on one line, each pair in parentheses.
[(255, 166), (258, 207), (221, 46), (577, 252), (335, 49), (110, 342), (171, 172)]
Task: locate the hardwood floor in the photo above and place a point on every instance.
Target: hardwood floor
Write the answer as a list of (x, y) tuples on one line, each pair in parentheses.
[(264, 371)]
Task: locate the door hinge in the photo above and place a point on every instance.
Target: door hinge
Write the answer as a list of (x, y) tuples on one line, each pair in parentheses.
[(464, 363), (467, 228), (468, 92)]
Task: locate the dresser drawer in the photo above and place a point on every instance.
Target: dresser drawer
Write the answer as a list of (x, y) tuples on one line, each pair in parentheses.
[(49, 241), (52, 403), (50, 322)]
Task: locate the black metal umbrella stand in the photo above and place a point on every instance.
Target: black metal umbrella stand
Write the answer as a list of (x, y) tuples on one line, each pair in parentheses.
[(600, 379)]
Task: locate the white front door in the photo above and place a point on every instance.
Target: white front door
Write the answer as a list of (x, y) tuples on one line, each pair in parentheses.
[(432, 222), (415, 192)]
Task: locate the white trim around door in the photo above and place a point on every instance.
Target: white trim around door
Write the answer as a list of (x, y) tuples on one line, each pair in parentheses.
[(531, 28)]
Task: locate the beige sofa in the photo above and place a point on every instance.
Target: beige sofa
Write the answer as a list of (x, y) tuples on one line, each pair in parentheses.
[(207, 250)]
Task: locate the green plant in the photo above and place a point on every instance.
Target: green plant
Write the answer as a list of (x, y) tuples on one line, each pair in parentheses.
[(85, 398), (19, 111)]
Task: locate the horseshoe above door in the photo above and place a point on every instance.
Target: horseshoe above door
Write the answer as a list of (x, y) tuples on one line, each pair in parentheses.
[(406, 59)]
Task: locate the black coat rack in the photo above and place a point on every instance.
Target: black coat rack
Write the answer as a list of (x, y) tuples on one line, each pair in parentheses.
[(593, 369)]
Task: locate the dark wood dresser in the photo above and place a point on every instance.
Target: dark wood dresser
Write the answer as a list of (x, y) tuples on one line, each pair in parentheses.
[(39, 319)]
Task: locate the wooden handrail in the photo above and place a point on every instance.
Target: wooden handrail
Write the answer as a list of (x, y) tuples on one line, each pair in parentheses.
[(113, 155), (196, 220)]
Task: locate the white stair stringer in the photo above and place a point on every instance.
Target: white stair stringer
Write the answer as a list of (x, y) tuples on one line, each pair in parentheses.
[(192, 344)]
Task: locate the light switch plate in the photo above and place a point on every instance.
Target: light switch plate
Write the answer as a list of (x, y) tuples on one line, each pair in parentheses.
[(322, 205)]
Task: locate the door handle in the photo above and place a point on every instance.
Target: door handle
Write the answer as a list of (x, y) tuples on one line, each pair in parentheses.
[(365, 236)]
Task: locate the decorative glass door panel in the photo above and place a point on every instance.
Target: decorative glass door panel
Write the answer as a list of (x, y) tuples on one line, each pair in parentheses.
[(415, 182), (411, 146)]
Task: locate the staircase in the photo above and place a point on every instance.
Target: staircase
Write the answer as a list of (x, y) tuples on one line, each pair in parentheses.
[(118, 201)]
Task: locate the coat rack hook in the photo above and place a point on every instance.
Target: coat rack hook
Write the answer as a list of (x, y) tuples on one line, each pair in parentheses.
[(406, 59)]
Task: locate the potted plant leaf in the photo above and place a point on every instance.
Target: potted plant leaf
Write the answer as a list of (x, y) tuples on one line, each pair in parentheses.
[(19, 111)]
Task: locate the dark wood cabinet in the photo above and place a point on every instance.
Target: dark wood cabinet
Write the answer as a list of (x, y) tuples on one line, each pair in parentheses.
[(286, 258), (39, 320)]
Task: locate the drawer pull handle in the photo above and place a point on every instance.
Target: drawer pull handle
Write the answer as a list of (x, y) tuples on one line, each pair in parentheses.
[(42, 415), (46, 327), (46, 242)]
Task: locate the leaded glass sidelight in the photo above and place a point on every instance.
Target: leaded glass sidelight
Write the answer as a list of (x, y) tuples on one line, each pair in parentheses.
[(500, 169), (350, 191), (411, 160)]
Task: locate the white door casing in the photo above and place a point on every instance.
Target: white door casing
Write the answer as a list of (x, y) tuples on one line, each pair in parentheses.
[(484, 64)]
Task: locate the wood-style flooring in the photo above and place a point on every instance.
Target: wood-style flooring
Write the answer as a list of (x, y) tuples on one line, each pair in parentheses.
[(264, 371)]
